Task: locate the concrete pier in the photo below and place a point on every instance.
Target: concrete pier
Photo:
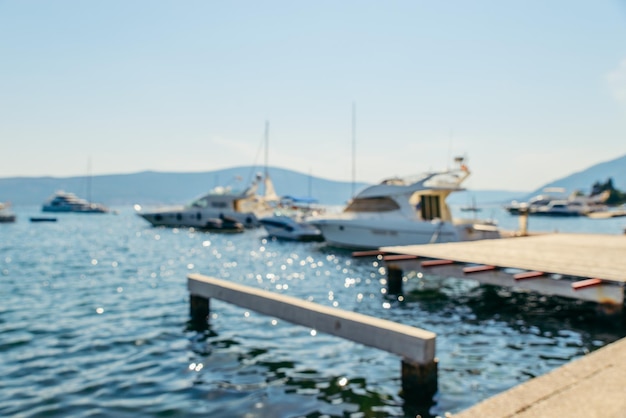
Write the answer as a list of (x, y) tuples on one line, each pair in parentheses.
[(415, 346), (591, 386)]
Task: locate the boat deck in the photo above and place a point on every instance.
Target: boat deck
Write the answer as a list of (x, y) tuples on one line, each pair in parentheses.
[(580, 255)]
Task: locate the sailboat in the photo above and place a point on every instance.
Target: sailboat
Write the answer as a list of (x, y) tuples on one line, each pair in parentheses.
[(287, 220), (472, 207)]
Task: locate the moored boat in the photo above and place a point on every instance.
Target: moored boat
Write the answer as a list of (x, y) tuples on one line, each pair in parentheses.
[(553, 201), (290, 228), (42, 219), (68, 202), (6, 214), (288, 222), (404, 212), (244, 207)]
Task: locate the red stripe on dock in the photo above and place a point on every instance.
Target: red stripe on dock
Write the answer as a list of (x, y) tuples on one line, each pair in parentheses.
[(586, 283), (399, 257), (367, 253), (434, 263), (478, 269), (528, 275)]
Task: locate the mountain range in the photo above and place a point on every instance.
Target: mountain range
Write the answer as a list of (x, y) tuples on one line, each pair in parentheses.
[(154, 188)]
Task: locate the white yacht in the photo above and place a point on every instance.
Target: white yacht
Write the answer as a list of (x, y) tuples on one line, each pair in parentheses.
[(404, 212), (68, 202), (222, 202)]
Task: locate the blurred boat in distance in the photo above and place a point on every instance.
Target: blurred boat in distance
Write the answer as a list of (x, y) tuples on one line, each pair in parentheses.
[(6, 214), (288, 222), (471, 207), (244, 207), (554, 201), (68, 202)]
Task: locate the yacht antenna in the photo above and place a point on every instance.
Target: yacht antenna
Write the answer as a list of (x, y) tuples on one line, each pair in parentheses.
[(449, 149), (89, 179), (353, 148)]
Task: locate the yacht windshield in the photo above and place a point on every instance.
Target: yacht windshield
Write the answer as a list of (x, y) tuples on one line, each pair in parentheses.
[(372, 204)]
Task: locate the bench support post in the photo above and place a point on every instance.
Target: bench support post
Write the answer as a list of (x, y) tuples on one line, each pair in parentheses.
[(419, 381), (199, 311)]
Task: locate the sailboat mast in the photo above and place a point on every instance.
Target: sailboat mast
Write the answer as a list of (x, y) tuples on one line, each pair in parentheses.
[(89, 180), (353, 148), (267, 139)]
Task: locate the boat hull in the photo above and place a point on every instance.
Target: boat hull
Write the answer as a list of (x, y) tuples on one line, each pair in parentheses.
[(5, 219), (285, 228), (196, 218), (73, 209), (365, 234)]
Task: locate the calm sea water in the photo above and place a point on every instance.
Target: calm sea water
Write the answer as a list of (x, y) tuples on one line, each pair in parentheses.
[(94, 317)]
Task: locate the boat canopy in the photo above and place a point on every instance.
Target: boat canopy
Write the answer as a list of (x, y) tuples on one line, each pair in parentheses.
[(448, 181)]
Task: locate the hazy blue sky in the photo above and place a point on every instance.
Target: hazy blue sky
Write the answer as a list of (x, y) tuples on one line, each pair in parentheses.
[(528, 90)]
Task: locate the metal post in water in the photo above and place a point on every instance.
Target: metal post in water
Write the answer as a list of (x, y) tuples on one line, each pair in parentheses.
[(394, 280), (419, 381), (523, 222), (199, 311)]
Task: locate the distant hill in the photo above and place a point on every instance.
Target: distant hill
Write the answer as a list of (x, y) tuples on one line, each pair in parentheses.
[(153, 188), (584, 180)]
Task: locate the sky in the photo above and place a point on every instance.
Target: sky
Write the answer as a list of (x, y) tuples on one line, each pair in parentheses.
[(527, 91)]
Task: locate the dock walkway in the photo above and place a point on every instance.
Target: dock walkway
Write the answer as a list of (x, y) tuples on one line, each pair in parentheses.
[(581, 255), (588, 267)]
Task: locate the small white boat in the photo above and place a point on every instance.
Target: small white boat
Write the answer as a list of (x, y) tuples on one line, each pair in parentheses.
[(6, 214), (289, 228), (289, 220), (68, 202), (404, 212)]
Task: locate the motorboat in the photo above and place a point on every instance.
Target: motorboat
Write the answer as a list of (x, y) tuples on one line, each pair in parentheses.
[(288, 222), (68, 202), (548, 194), (6, 214), (404, 212), (244, 207), (562, 208), (553, 201), (290, 228)]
